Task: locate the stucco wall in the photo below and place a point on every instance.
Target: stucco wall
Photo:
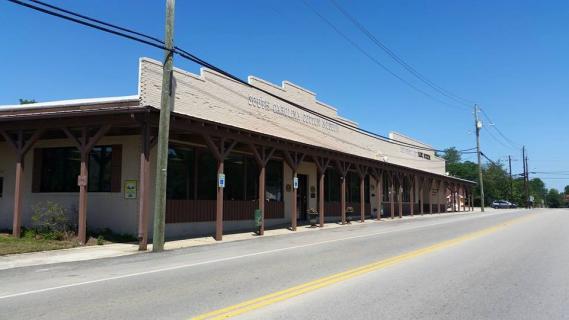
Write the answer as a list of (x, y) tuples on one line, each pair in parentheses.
[(105, 209)]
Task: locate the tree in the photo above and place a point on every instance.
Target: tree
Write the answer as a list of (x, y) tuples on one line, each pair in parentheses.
[(566, 189), (27, 101), (553, 199), (451, 155), (538, 190)]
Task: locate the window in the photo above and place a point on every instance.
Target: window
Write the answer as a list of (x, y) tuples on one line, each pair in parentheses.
[(100, 169), (352, 187), (332, 186), (192, 174), (56, 169), (207, 176), (180, 173), (274, 178), (385, 188), (235, 177), (1, 186)]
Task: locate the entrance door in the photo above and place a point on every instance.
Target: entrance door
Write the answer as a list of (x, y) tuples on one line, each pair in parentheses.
[(302, 197)]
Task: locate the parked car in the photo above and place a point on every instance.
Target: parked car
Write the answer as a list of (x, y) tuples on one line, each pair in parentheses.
[(502, 204)]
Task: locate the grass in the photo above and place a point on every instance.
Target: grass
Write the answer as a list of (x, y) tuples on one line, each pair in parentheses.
[(11, 245), (33, 242)]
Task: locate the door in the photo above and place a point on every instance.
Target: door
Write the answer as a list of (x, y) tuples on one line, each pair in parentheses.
[(302, 197)]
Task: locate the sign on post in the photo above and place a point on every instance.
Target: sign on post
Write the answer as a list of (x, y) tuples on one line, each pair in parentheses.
[(221, 180), (295, 182)]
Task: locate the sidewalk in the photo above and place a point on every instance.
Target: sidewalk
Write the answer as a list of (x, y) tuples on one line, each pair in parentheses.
[(123, 249)]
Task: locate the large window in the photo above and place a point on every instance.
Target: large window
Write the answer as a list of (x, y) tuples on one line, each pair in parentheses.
[(58, 169), (332, 188), (180, 173), (192, 175), (274, 181)]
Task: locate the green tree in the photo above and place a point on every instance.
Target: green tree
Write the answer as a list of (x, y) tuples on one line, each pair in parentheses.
[(451, 155), (553, 199), (27, 101), (496, 182)]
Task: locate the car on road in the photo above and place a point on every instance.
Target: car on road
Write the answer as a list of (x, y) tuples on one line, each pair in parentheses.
[(502, 204)]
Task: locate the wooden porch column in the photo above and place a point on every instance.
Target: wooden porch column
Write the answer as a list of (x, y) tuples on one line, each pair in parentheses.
[(321, 164), (293, 159), (84, 143), (440, 194), (463, 192), (146, 144), (343, 167), (362, 170), (391, 195), (422, 194), (400, 179), (457, 197), (21, 147), (378, 176), (220, 151), (466, 205), (454, 198), (431, 196), (412, 194), (262, 156)]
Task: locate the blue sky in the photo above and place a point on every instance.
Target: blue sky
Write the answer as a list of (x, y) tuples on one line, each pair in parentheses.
[(508, 56)]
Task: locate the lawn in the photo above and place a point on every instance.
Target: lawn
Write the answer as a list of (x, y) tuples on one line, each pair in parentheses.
[(10, 245)]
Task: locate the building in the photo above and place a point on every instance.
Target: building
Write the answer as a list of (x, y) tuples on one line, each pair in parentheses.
[(277, 149)]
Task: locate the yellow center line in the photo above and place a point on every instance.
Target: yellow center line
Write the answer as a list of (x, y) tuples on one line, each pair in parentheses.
[(275, 297)]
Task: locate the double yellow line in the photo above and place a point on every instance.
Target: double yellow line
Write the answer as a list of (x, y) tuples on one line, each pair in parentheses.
[(275, 297)]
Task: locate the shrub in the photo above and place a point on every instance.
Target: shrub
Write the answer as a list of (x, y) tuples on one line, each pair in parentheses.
[(50, 219), (100, 240)]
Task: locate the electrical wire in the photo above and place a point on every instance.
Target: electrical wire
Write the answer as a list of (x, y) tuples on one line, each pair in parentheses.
[(399, 60), (496, 139), (373, 59), (489, 160), (493, 125), (201, 62)]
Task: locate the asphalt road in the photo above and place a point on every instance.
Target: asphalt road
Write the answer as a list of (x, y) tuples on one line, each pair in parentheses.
[(502, 265)]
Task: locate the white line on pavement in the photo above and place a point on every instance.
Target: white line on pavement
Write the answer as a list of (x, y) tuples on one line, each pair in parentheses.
[(130, 275)]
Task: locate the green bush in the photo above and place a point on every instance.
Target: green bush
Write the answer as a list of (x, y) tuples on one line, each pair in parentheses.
[(50, 220)]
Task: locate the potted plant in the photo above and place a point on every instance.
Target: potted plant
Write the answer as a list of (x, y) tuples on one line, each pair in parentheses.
[(349, 211), (313, 217)]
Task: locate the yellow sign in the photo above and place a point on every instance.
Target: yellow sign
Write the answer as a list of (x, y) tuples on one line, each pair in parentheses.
[(130, 189)]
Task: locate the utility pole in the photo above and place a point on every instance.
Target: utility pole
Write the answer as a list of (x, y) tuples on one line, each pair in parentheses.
[(163, 132), (526, 174), (478, 126), (511, 181), (527, 180)]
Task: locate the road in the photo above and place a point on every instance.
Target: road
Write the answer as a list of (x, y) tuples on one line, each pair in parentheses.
[(499, 265)]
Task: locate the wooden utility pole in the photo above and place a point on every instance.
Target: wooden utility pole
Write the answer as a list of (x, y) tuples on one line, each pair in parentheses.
[(526, 175), (511, 181), (163, 132), (478, 126)]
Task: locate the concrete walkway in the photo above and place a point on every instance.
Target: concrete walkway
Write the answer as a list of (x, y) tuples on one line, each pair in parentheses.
[(122, 249)]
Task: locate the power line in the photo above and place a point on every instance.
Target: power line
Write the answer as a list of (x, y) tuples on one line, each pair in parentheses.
[(490, 160), (493, 125), (496, 139), (201, 62), (373, 59), (399, 60)]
